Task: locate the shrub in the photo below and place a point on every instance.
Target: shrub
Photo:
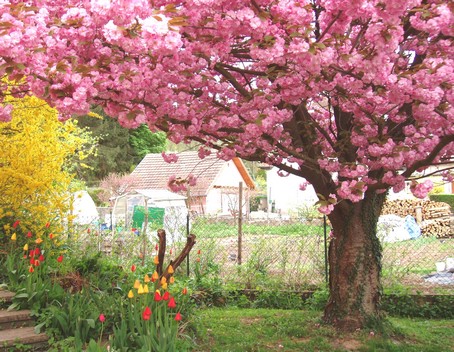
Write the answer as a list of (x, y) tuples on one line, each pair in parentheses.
[(445, 198)]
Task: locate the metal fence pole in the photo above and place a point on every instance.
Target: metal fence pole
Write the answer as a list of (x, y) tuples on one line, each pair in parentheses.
[(240, 220), (187, 235), (326, 248)]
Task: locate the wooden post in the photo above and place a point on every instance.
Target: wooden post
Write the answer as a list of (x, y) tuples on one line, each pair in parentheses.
[(144, 232), (240, 220), (418, 212)]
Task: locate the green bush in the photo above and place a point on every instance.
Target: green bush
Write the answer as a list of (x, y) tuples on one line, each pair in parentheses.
[(445, 198), (419, 306)]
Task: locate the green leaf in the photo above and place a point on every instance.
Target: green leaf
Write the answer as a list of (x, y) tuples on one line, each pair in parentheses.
[(22, 295), (91, 323), (38, 327)]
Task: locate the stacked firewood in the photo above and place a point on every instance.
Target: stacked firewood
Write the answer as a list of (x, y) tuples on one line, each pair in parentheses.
[(434, 217)]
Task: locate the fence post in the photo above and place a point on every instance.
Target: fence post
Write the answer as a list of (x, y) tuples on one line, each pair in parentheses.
[(326, 248), (240, 220)]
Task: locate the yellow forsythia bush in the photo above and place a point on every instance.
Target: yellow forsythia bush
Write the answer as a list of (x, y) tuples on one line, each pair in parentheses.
[(37, 153)]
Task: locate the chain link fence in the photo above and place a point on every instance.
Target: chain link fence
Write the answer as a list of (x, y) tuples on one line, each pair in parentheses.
[(291, 253)]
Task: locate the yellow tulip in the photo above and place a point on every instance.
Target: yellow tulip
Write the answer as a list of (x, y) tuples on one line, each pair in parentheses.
[(146, 278), (140, 290), (163, 280), (170, 270), (26, 247), (164, 286), (171, 280), (136, 284), (156, 260), (145, 289), (13, 237), (155, 276), (38, 240), (130, 294)]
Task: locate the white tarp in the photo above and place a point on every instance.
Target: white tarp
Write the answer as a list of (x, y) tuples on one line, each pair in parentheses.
[(393, 228), (84, 208)]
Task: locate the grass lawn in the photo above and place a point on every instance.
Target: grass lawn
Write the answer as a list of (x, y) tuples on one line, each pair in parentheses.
[(240, 330)]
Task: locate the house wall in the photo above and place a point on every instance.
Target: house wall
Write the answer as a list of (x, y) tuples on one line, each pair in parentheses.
[(284, 194), (223, 193)]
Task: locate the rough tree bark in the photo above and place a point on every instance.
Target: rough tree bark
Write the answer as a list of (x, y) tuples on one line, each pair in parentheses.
[(355, 264)]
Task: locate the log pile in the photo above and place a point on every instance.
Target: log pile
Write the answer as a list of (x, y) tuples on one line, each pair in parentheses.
[(434, 217)]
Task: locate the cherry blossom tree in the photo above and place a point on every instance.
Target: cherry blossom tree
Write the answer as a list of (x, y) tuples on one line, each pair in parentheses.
[(352, 96)]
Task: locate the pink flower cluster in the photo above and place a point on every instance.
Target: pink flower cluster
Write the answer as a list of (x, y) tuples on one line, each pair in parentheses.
[(339, 88), (421, 190)]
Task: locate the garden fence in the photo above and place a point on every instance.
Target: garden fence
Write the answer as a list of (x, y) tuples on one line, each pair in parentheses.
[(292, 253)]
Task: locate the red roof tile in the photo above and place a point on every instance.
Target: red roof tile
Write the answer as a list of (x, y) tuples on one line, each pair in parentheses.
[(154, 173)]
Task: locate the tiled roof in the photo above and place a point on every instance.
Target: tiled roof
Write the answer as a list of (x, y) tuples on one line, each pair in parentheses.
[(154, 173)]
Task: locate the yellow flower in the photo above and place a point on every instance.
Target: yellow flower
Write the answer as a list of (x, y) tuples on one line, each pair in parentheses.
[(163, 280), (140, 290), (145, 288), (171, 280), (136, 284), (13, 237), (38, 240), (146, 278), (156, 260), (26, 247), (130, 294), (170, 270), (164, 286)]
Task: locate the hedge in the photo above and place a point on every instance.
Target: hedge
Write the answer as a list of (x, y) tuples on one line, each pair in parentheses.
[(445, 198)]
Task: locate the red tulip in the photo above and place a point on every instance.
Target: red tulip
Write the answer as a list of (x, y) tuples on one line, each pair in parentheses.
[(133, 268), (60, 259), (47, 224), (37, 251), (102, 318), (178, 316), (29, 234), (166, 296), (41, 258), (16, 223), (185, 291), (172, 303), (30, 269), (157, 296), (146, 315)]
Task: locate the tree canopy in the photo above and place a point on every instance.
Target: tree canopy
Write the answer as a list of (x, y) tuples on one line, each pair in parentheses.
[(352, 96)]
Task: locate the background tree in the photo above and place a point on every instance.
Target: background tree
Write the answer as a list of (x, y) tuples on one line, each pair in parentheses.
[(353, 97), (118, 149), (37, 154)]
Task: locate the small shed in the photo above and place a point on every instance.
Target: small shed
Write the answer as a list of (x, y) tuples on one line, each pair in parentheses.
[(166, 210)]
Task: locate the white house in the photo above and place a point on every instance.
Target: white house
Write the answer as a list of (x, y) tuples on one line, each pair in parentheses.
[(284, 193), (217, 187)]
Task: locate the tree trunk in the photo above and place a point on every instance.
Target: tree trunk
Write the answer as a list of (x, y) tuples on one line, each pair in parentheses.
[(354, 264)]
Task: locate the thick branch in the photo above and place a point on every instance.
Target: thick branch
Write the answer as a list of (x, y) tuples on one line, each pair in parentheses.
[(431, 157), (178, 260), (227, 75), (162, 250)]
